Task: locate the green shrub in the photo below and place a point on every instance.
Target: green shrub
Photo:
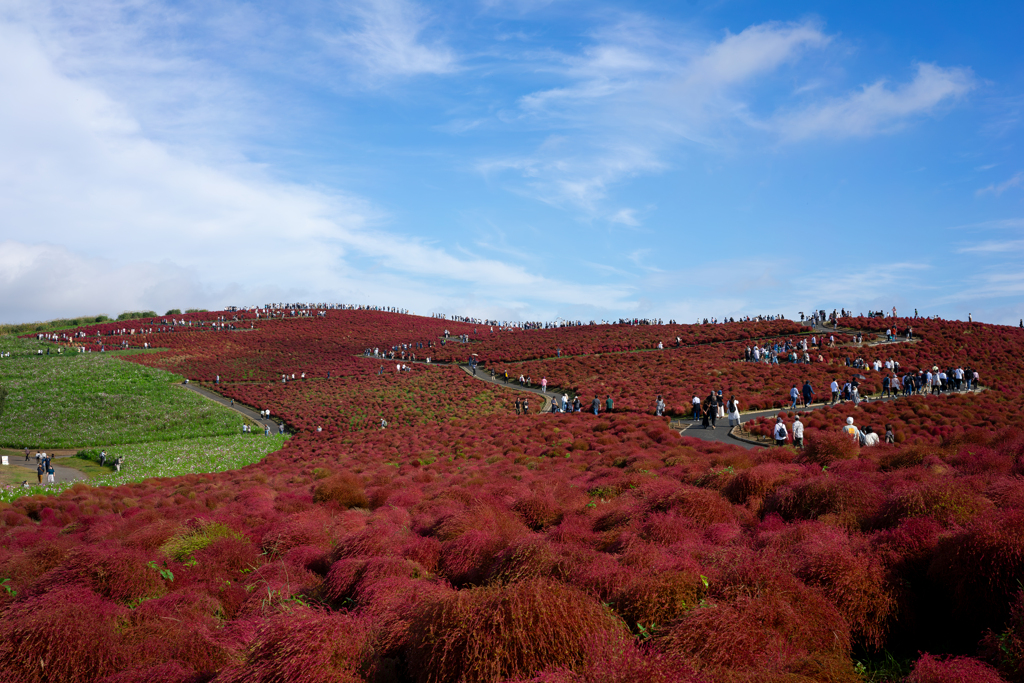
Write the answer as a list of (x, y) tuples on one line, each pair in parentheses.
[(89, 454), (134, 315), (173, 311), (195, 310), (181, 546)]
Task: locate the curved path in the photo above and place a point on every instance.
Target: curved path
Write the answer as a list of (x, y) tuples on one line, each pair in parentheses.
[(60, 473), (688, 427), (240, 408), (485, 376)]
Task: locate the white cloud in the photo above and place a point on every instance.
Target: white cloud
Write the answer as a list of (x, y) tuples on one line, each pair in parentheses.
[(387, 40), (877, 108), (149, 226), (993, 247), (625, 217), (1000, 188)]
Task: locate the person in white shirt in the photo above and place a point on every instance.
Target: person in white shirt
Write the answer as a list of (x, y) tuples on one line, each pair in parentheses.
[(868, 437), (834, 387), (696, 408), (734, 412), (798, 433), (780, 432)]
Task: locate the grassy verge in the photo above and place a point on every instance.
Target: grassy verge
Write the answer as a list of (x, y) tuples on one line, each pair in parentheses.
[(72, 400), (163, 459)]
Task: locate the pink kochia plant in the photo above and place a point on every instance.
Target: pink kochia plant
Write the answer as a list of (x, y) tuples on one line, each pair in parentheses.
[(466, 543)]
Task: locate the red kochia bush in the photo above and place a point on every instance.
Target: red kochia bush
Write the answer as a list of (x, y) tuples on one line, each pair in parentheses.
[(304, 645), (981, 565), (768, 624), (824, 448), (494, 634), (344, 489), (65, 636), (168, 672), (929, 669)]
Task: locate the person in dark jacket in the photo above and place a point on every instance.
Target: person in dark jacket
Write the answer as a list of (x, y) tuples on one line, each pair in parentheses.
[(710, 409)]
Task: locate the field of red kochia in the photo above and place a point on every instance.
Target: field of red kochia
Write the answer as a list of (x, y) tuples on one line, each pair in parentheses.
[(465, 543)]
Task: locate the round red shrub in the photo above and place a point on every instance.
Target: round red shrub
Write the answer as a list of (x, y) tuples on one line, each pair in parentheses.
[(930, 669), (499, 633), (346, 490)]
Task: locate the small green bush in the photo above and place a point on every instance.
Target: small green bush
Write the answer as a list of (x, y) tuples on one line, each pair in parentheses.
[(134, 315), (173, 311), (181, 546), (89, 454)]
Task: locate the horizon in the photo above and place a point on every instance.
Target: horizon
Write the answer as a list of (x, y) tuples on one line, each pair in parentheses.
[(519, 160)]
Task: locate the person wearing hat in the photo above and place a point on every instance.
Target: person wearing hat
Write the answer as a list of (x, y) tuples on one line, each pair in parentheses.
[(798, 432), (851, 430), (780, 433)]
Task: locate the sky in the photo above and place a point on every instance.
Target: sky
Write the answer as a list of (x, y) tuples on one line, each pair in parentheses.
[(513, 160)]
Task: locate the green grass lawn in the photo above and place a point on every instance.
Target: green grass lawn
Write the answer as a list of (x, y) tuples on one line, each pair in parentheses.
[(161, 459), (73, 400)]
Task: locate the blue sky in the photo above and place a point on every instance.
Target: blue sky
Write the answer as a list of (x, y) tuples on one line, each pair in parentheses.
[(516, 160)]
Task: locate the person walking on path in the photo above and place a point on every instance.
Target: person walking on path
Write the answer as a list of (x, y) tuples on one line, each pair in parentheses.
[(710, 410), (808, 392), (49, 473), (798, 432), (596, 404), (609, 405), (544, 384), (39, 472), (518, 407), (780, 433), (696, 408), (526, 406), (734, 412), (794, 394), (834, 387), (659, 406)]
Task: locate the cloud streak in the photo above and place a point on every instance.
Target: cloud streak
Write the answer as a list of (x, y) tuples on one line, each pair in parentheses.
[(998, 189), (877, 108)]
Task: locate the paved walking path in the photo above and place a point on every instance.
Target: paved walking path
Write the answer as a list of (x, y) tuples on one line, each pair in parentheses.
[(688, 427), (60, 473), (240, 408), (485, 376)]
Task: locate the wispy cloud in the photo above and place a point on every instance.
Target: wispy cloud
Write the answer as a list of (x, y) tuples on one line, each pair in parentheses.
[(877, 107), (625, 217), (631, 95), (386, 38), (999, 188)]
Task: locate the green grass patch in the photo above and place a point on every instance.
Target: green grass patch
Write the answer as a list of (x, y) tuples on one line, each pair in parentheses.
[(73, 400), (166, 459), (181, 546)]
